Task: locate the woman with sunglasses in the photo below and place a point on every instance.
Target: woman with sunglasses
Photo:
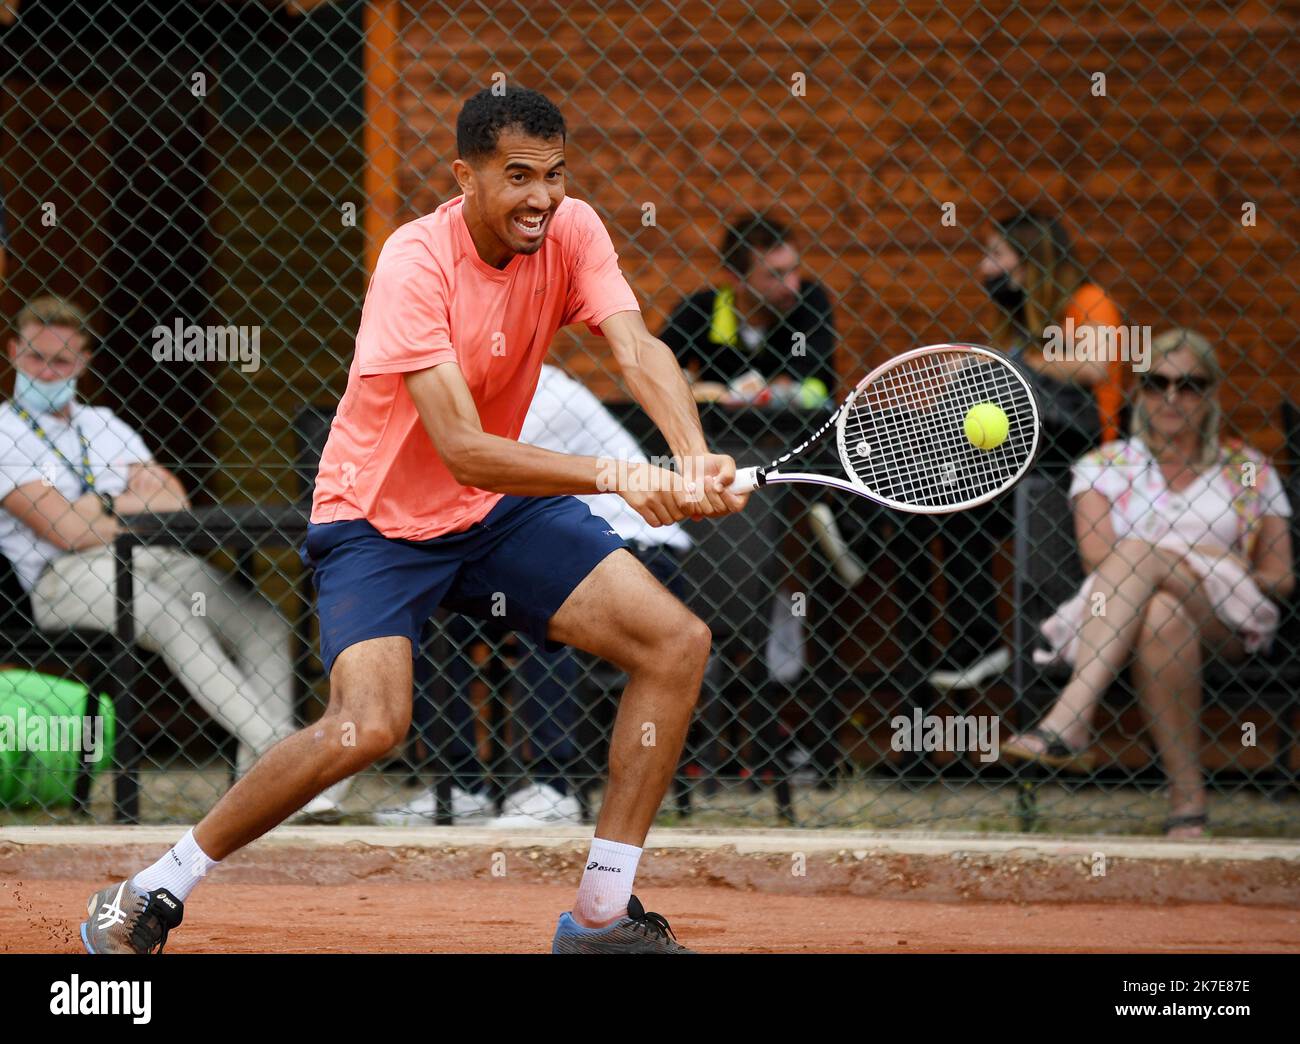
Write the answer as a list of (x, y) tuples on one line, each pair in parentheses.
[(1185, 542)]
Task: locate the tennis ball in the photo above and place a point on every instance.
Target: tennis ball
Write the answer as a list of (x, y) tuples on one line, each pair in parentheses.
[(986, 425), (812, 393)]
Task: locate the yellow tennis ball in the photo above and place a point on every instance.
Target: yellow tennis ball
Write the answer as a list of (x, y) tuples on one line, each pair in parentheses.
[(986, 425)]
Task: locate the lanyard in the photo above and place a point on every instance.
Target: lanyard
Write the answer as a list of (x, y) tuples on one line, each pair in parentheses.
[(86, 473)]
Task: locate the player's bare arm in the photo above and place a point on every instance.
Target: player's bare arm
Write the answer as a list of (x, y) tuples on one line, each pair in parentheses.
[(658, 384), (485, 461)]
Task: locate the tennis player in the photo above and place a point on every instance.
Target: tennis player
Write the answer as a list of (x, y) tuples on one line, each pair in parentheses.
[(425, 498)]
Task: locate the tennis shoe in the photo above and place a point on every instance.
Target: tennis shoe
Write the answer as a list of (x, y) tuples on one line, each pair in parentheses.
[(125, 919), (638, 932)]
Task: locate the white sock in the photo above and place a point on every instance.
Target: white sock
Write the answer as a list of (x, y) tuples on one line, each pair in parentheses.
[(183, 867), (607, 882)]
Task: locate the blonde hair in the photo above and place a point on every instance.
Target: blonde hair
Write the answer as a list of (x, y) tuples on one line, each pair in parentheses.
[(1208, 361), (49, 310)]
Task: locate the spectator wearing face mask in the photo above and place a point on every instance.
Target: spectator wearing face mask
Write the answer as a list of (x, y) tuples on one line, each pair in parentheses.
[(68, 472), (1039, 291), (1040, 294)]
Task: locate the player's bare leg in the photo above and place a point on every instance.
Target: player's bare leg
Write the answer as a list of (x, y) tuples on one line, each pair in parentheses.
[(623, 614), (368, 714)]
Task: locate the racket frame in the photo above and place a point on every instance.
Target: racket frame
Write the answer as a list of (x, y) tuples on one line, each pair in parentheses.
[(758, 477)]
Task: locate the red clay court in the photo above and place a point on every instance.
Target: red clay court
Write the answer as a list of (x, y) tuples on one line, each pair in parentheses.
[(332, 890)]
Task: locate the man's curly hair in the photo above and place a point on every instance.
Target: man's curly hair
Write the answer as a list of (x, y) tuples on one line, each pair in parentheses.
[(486, 115)]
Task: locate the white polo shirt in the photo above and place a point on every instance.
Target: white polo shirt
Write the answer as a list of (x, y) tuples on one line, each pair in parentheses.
[(567, 418), (25, 458)]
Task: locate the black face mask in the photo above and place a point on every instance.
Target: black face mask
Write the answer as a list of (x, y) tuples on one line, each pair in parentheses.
[(1006, 295)]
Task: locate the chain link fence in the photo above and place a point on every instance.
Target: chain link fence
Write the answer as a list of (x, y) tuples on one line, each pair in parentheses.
[(796, 193)]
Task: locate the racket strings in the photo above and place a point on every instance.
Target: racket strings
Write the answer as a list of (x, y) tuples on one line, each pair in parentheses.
[(904, 436)]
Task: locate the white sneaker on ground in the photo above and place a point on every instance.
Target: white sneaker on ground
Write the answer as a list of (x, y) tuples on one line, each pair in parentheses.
[(979, 672), (538, 803), (420, 811), (326, 807)]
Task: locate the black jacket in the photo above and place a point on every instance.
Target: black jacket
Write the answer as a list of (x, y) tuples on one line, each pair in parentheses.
[(694, 336)]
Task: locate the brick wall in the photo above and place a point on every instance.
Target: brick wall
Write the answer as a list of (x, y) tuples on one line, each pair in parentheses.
[(907, 107)]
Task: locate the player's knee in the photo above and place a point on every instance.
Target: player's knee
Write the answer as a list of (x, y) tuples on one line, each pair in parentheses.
[(380, 733), (682, 645), (697, 640), (367, 735)]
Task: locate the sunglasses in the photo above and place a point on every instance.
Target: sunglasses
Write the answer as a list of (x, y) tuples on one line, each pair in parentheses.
[(1184, 384)]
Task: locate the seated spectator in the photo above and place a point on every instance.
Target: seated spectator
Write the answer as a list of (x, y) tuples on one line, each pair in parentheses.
[(1035, 282), (764, 335), (67, 472), (1030, 273), (1186, 546), (565, 417)]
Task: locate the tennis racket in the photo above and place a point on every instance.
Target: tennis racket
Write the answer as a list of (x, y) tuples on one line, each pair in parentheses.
[(901, 433)]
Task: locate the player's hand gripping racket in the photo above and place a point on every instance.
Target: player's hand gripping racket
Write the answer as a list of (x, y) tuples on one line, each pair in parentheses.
[(934, 430)]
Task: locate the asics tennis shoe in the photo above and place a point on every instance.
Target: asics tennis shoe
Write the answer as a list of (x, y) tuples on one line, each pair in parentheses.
[(638, 932), (125, 919)]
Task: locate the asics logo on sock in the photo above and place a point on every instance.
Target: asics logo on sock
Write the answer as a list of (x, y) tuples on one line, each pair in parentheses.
[(111, 914), (593, 865)]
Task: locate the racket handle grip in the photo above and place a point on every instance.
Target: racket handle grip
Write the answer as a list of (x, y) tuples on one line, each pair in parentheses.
[(747, 480)]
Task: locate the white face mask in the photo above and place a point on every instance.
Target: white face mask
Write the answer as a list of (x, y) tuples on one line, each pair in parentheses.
[(43, 396)]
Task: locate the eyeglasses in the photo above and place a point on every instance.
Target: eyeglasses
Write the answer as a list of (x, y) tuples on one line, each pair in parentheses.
[(1184, 384)]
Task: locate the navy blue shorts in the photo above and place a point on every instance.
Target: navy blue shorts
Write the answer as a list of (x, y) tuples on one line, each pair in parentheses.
[(516, 567)]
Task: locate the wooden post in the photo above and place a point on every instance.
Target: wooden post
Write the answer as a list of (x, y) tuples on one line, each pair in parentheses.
[(382, 122)]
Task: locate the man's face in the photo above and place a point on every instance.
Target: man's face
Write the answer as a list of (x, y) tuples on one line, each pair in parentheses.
[(511, 196), (48, 353), (774, 278)]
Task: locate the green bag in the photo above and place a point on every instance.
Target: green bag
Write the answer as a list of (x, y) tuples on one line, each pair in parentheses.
[(44, 735)]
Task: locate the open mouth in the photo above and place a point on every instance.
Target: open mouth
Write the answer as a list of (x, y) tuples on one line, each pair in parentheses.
[(530, 226)]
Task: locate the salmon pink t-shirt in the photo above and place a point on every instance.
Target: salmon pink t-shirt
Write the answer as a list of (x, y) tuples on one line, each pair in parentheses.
[(433, 300)]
